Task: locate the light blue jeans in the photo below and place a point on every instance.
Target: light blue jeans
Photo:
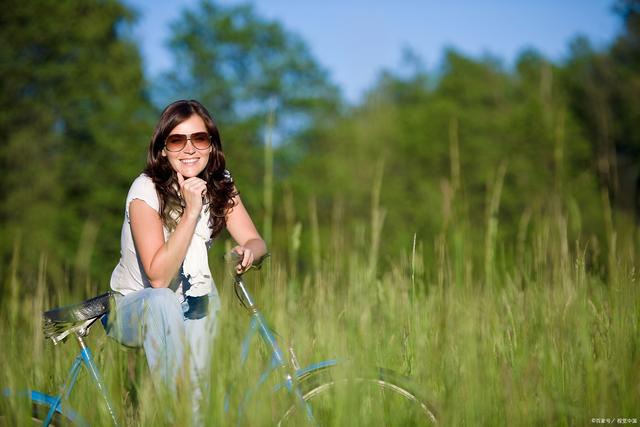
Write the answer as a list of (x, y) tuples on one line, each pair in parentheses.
[(154, 318)]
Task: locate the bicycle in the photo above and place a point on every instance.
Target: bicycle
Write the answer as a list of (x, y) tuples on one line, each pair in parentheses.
[(313, 390)]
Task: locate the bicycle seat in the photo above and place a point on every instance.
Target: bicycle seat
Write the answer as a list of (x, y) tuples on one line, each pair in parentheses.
[(60, 319)]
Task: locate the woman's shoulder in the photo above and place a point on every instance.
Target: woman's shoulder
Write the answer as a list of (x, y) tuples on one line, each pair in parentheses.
[(143, 182), (143, 179), (143, 188)]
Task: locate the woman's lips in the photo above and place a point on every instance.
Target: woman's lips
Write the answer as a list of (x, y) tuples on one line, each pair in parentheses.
[(189, 161)]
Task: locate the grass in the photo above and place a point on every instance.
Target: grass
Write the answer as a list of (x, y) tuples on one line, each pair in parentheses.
[(541, 336)]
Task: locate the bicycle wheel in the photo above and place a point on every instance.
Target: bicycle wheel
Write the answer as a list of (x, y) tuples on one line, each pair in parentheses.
[(369, 397)]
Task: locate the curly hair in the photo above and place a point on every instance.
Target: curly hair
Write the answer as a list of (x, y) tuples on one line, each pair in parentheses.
[(220, 187)]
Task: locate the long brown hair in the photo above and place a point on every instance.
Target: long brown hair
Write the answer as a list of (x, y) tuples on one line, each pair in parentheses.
[(220, 188)]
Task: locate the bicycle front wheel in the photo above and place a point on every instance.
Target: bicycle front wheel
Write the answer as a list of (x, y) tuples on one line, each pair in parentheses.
[(340, 397)]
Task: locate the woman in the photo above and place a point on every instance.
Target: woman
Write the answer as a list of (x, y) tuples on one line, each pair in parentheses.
[(167, 301)]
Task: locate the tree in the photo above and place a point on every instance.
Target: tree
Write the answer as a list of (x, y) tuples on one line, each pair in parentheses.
[(243, 66), (76, 125), (605, 94), (257, 79), (442, 140)]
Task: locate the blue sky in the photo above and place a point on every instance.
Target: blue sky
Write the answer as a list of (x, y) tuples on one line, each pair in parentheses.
[(355, 39)]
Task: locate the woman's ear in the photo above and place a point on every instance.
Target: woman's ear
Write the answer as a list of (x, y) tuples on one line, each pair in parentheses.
[(164, 153)]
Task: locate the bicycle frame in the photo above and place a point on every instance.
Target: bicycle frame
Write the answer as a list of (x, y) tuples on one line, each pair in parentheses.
[(278, 360), (84, 358)]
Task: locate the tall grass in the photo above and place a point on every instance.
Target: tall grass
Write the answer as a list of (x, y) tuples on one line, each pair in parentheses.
[(532, 332), (543, 340)]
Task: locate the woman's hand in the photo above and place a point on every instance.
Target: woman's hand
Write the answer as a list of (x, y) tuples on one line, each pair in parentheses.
[(192, 191), (246, 258)]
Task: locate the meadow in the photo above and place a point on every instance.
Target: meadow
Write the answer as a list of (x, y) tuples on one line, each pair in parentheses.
[(536, 333), (495, 261)]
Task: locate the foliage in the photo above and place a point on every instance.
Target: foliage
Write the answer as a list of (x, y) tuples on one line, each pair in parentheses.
[(604, 92), (243, 66), (75, 122), (442, 142), (545, 342), (249, 71), (471, 140), (475, 217)]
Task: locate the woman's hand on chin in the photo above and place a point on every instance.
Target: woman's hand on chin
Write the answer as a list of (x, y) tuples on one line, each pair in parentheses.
[(192, 191)]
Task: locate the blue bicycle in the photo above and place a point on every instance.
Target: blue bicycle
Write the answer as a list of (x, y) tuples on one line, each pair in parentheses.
[(312, 392)]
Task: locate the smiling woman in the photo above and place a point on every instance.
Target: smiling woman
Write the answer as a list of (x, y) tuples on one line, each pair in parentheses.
[(188, 147), (166, 300)]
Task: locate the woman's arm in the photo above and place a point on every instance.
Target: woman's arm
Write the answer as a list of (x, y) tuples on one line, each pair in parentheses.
[(161, 260), (250, 244)]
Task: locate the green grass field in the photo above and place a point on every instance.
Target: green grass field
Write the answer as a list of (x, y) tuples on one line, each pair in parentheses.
[(541, 337)]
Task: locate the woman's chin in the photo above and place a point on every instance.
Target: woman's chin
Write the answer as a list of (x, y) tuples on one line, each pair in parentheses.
[(189, 172)]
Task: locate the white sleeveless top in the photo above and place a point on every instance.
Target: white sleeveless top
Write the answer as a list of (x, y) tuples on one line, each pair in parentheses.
[(193, 279)]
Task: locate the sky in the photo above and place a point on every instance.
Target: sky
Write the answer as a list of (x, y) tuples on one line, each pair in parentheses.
[(355, 39)]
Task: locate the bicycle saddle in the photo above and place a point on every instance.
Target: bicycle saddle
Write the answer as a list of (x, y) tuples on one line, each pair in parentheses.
[(59, 319)]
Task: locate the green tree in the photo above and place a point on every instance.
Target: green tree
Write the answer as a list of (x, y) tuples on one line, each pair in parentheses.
[(76, 125), (605, 96), (258, 80), (443, 139)]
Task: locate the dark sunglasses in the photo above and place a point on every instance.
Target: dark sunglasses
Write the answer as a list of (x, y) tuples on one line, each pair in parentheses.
[(177, 141)]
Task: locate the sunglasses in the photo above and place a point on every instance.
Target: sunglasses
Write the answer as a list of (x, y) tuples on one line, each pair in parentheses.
[(177, 141)]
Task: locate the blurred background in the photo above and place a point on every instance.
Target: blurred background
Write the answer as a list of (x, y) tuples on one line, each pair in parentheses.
[(346, 127)]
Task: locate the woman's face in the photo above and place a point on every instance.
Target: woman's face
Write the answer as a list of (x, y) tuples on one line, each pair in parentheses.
[(189, 161)]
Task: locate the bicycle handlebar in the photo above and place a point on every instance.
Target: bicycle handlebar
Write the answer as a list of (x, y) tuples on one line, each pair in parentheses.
[(233, 258)]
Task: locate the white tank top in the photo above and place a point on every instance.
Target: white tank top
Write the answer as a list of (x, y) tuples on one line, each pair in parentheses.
[(129, 275)]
